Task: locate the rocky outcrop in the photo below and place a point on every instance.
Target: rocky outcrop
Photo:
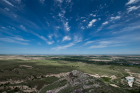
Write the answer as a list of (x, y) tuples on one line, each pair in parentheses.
[(77, 78), (79, 82), (130, 80)]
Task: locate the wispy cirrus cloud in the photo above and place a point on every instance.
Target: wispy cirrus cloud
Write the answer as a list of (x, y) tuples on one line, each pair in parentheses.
[(101, 44), (19, 1), (3, 27), (107, 22), (132, 2), (106, 43), (66, 38), (64, 47), (9, 3), (50, 36), (123, 40), (89, 42), (128, 29), (42, 1), (43, 38), (39, 43), (133, 8), (82, 27), (23, 28), (7, 9), (18, 40), (114, 26), (50, 42), (77, 39), (115, 18), (64, 21), (68, 0), (60, 1)]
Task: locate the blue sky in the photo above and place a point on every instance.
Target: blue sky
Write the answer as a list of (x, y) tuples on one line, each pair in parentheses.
[(69, 26)]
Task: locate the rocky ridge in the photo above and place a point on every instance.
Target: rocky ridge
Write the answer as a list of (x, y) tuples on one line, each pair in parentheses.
[(79, 82)]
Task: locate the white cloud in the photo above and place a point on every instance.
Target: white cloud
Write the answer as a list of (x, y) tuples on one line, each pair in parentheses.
[(105, 23), (61, 15), (64, 20), (67, 26), (23, 28), (121, 40), (101, 44), (133, 8), (50, 42), (66, 38), (19, 38), (91, 22), (132, 2), (92, 15), (98, 46), (43, 38), (57, 27), (14, 40), (63, 47), (50, 36), (83, 20), (115, 18), (19, 1), (68, 1), (105, 42), (89, 42), (13, 28), (77, 39), (60, 1), (39, 43), (7, 39), (63, 11), (8, 3), (83, 17), (129, 28), (99, 18), (6, 9), (82, 27), (14, 15), (42, 1), (114, 26), (3, 27)]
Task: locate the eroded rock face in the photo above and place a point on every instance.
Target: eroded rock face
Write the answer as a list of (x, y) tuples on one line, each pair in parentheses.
[(77, 78), (130, 80), (79, 82)]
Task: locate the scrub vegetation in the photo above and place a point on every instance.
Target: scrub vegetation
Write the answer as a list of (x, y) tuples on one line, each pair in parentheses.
[(32, 73)]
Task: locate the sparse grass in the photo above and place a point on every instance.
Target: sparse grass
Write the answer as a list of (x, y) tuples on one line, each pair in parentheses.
[(41, 82), (54, 85)]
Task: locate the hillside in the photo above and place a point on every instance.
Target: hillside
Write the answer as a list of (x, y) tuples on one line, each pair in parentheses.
[(79, 82)]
